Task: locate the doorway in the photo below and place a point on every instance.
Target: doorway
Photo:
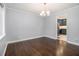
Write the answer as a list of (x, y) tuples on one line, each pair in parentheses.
[(62, 28)]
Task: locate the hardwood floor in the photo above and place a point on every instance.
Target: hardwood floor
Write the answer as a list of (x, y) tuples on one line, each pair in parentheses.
[(42, 47)]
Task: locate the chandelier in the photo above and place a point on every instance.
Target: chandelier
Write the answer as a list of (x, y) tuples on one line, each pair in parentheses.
[(45, 11)]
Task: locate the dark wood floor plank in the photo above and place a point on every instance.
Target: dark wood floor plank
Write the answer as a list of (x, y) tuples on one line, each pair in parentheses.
[(42, 47)]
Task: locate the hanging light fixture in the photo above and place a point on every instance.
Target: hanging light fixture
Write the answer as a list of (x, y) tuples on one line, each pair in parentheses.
[(45, 11)]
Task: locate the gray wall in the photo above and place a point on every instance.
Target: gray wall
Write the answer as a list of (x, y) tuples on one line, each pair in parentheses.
[(50, 27), (21, 25), (31, 25), (72, 15)]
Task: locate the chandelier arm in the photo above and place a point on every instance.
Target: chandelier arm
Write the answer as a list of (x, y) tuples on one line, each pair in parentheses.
[(45, 12)]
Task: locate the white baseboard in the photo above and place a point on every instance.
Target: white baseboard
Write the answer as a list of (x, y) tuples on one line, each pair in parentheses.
[(39, 37), (73, 43), (24, 39), (2, 36), (18, 41), (51, 37), (64, 40), (5, 49)]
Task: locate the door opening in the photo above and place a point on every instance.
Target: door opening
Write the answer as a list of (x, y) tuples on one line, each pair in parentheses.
[(62, 28)]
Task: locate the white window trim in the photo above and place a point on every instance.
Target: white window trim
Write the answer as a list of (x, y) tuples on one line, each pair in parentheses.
[(2, 36), (3, 33)]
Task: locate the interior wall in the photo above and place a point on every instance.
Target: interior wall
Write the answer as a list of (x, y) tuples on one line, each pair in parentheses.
[(22, 25), (72, 16), (50, 27)]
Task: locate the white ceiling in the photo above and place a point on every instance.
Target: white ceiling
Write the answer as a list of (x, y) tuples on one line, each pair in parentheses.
[(38, 7)]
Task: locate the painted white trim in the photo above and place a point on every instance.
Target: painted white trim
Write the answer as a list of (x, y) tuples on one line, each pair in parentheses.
[(42, 36), (4, 21), (64, 40), (3, 31), (17, 41), (2, 36), (73, 43), (51, 37), (5, 49), (24, 39)]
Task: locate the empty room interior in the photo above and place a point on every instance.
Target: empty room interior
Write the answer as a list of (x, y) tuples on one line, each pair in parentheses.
[(39, 29)]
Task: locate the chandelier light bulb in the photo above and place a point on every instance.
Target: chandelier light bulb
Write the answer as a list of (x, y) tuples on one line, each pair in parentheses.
[(48, 13), (45, 12)]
